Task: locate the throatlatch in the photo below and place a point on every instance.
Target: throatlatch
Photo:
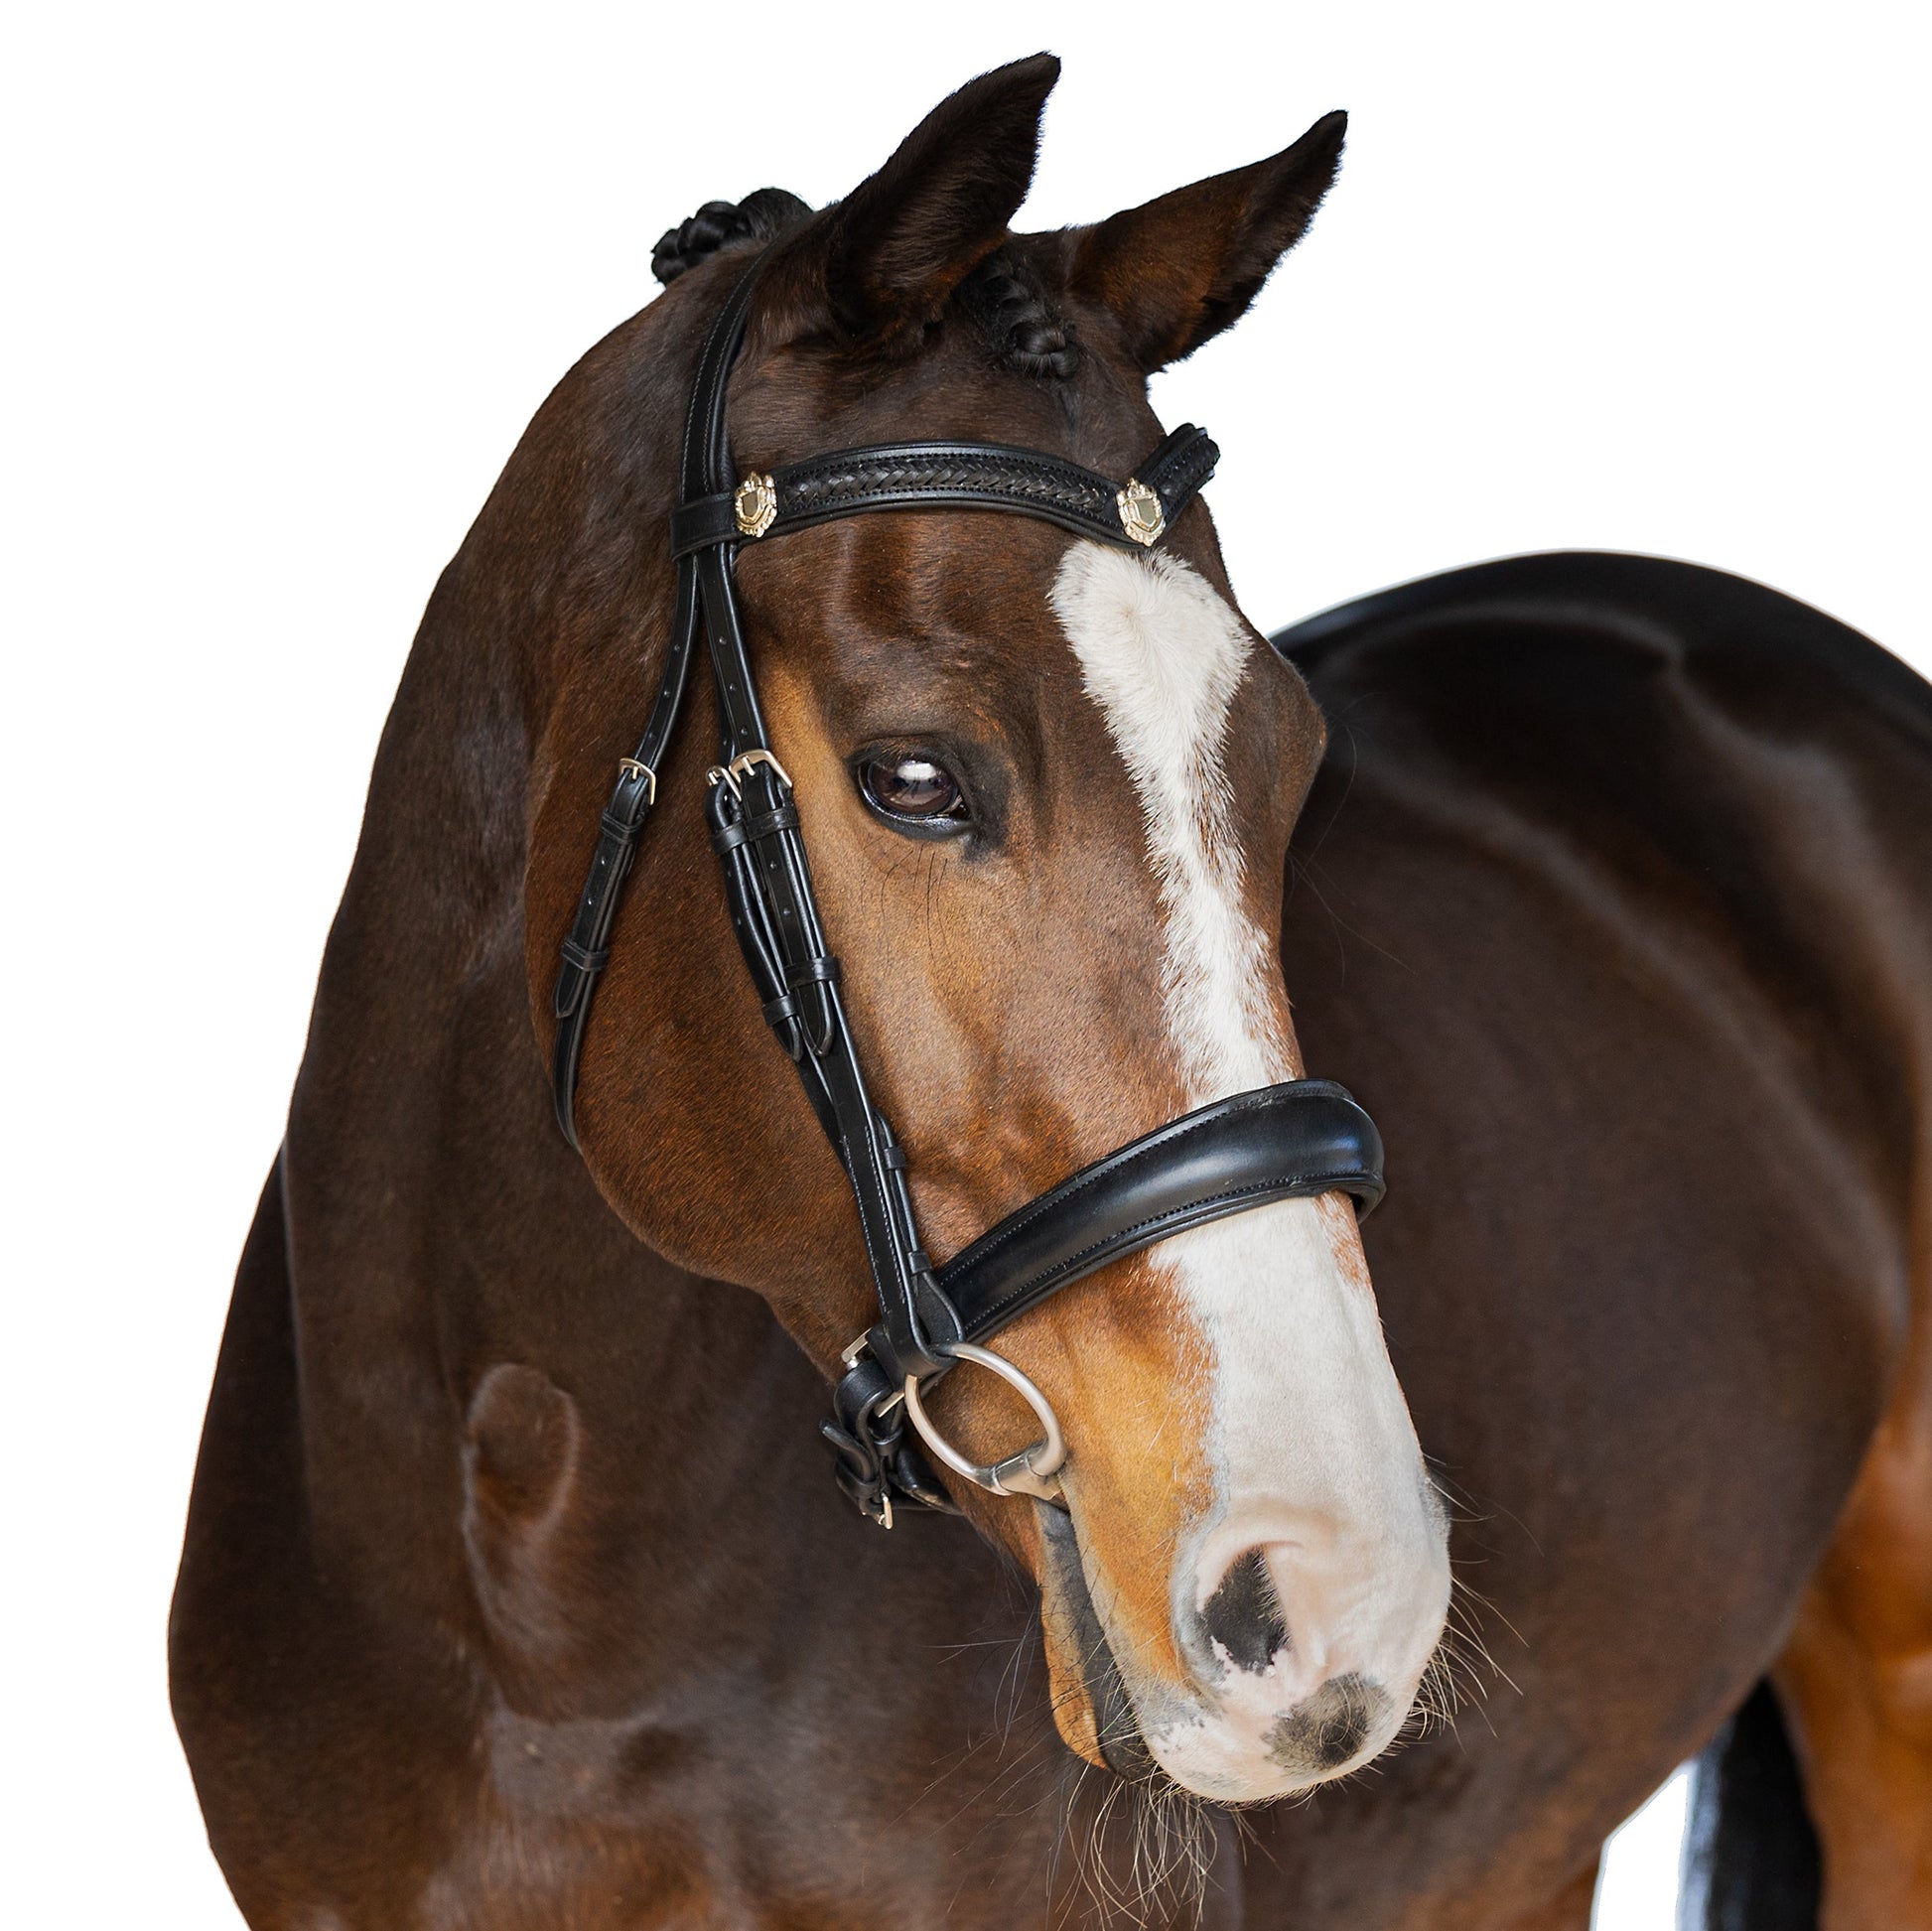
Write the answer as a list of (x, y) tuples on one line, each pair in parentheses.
[(1301, 1138)]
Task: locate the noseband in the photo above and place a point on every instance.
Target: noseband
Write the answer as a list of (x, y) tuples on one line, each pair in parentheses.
[(1302, 1138)]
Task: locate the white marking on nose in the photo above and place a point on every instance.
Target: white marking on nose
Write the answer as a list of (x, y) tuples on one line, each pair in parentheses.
[(1310, 1436)]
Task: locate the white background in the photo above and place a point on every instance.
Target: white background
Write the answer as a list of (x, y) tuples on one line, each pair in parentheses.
[(285, 284)]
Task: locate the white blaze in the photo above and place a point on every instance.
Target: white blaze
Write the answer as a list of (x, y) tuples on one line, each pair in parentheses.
[(1162, 656), (1312, 1446)]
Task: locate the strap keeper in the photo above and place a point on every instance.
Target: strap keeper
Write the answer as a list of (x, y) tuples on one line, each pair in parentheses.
[(767, 824), (585, 958), (703, 524), (1176, 470)]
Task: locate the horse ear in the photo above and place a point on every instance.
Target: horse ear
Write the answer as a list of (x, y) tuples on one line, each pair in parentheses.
[(887, 257), (1176, 271)]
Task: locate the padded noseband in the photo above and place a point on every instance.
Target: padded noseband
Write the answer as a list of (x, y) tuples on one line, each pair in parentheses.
[(1298, 1139)]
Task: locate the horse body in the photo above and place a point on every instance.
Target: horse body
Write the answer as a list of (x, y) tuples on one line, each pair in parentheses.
[(1614, 893), (516, 1589)]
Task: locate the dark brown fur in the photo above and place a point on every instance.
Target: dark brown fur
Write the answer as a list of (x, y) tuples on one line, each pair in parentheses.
[(516, 1589), (1615, 903)]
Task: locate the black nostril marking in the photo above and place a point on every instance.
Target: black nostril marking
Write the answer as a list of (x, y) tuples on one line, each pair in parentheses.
[(1243, 1617), (1329, 1729)]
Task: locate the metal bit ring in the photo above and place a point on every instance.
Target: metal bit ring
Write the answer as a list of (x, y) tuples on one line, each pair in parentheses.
[(1033, 1470)]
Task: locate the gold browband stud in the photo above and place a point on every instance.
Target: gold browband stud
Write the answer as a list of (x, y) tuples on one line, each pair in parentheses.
[(754, 504), (1140, 513)]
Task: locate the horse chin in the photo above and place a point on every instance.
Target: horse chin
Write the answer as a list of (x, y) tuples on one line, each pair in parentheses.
[(1091, 1708)]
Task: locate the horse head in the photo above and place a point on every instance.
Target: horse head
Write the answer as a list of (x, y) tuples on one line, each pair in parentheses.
[(1046, 786)]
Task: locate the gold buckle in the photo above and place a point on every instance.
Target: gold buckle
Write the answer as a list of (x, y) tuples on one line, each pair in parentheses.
[(633, 768)]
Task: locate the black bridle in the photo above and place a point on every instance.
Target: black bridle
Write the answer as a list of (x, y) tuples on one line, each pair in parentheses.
[(1301, 1138)]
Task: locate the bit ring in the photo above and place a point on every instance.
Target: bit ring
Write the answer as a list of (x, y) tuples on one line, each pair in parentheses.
[(1033, 1470)]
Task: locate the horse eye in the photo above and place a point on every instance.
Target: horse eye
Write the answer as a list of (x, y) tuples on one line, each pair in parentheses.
[(913, 787)]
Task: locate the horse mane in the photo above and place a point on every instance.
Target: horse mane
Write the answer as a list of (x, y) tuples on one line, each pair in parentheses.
[(1005, 300), (1002, 296), (761, 217)]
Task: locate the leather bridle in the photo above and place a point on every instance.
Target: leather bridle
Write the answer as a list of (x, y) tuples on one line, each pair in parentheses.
[(1301, 1138)]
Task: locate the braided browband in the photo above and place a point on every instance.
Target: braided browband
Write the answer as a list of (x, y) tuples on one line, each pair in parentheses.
[(957, 476)]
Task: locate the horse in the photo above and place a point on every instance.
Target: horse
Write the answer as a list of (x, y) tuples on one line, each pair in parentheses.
[(516, 1589)]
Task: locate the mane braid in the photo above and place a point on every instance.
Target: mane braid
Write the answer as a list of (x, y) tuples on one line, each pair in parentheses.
[(760, 216), (1012, 311)]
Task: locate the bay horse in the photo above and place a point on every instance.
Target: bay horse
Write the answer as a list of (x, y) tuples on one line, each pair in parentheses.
[(516, 1591)]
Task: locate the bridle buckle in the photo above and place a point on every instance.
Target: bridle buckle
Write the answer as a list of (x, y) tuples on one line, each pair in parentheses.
[(732, 774)]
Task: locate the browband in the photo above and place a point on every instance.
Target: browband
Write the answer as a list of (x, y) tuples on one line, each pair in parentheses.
[(1298, 1139), (955, 475)]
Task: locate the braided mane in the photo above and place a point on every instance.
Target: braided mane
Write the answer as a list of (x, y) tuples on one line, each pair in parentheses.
[(762, 215), (1012, 313), (1001, 296)]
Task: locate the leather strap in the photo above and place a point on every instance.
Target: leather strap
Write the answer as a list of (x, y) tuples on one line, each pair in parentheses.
[(754, 829), (1296, 1140), (954, 476), (585, 950), (1278, 1142)]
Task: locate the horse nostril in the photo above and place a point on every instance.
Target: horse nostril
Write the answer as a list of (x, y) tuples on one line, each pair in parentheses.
[(1322, 1733), (1243, 1617)]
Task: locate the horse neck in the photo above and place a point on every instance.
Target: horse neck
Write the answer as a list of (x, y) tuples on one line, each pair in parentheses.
[(440, 1232)]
